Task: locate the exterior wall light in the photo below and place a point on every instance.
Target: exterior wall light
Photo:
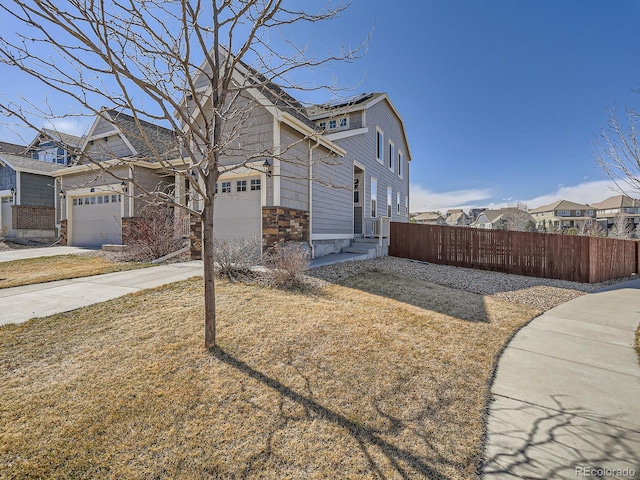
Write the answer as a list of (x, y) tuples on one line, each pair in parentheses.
[(267, 167)]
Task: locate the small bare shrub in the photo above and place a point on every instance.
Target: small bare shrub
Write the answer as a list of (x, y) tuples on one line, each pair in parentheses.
[(286, 266), (153, 234), (235, 258)]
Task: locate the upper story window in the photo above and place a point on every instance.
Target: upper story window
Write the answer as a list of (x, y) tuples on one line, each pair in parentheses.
[(344, 122), (400, 164), (564, 213), (333, 124), (322, 125), (379, 145), (392, 155), (578, 213), (588, 213)]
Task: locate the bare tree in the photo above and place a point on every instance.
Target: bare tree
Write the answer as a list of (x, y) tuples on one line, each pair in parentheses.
[(517, 217), (617, 152), (621, 228), (185, 65)]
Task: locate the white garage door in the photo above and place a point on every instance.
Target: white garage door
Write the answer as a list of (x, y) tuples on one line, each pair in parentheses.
[(96, 220), (237, 211), (5, 214)]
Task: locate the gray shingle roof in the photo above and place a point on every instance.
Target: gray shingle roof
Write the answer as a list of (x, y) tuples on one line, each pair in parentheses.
[(20, 163), (618, 201), (162, 139), (560, 205), (12, 148)]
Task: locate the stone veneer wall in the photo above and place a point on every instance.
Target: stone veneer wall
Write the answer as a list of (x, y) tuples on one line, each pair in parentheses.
[(195, 237), (284, 224), (63, 231)]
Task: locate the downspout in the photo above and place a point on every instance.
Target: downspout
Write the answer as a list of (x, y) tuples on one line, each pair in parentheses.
[(311, 149)]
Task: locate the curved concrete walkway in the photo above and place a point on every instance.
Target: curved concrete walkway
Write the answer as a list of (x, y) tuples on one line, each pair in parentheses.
[(566, 396), (22, 253), (19, 304)]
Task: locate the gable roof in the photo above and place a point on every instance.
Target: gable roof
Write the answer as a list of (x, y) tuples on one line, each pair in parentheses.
[(48, 134), (561, 205), (427, 216), (11, 148), (25, 164), (126, 126), (618, 201)]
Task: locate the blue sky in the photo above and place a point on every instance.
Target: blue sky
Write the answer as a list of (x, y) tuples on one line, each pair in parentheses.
[(501, 99)]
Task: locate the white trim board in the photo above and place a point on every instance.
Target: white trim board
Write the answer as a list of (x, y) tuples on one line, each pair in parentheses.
[(332, 236)]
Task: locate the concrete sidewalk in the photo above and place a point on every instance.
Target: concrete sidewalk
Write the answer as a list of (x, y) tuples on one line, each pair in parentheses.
[(566, 396), (22, 253), (19, 304)]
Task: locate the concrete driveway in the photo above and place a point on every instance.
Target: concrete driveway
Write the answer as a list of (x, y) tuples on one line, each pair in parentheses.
[(22, 253), (19, 304), (566, 396)]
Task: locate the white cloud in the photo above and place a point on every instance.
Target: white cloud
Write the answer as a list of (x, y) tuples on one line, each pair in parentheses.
[(587, 193), (422, 199), (74, 126)]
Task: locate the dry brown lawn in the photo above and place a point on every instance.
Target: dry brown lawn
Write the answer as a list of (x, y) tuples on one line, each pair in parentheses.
[(48, 269), (381, 377)]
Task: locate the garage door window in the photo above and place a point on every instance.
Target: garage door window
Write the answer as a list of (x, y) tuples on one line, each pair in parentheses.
[(255, 184)]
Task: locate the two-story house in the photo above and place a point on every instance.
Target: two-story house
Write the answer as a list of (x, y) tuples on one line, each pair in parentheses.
[(562, 214), (429, 218), (608, 210), (320, 176)]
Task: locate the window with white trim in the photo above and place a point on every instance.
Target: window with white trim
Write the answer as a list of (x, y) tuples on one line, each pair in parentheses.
[(241, 186), (322, 126), (398, 202), (392, 154), (400, 160), (226, 187), (255, 184), (379, 145), (333, 124), (374, 197), (389, 199), (343, 122), (406, 205)]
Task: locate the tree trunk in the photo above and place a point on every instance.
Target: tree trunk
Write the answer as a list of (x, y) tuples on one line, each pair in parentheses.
[(209, 274)]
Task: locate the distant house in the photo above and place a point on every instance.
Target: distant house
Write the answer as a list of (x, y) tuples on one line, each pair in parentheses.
[(503, 218), (429, 218), (457, 219), (474, 212), (53, 146), (623, 205), (562, 214), (27, 197)]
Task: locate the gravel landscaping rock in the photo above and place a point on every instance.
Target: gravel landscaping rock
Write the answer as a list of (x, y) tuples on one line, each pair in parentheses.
[(540, 293)]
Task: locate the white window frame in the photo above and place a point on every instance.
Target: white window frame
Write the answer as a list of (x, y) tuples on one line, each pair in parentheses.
[(398, 203), (406, 205), (256, 184), (389, 201), (333, 124), (373, 194), (400, 163), (226, 187), (392, 155), (344, 120), (379, 145), (241, 185)]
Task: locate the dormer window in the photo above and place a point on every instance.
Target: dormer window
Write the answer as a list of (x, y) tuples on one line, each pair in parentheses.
[(333, 124), (343, 122), (322, 126)]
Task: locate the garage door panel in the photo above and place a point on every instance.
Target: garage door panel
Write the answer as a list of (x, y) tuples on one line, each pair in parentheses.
[(96, 224), (238, 215)]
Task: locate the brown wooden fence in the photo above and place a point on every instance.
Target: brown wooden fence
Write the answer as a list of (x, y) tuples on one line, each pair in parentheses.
[(566, 257)]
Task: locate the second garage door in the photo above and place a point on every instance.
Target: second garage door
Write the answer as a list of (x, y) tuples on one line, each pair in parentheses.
[(237, 212)]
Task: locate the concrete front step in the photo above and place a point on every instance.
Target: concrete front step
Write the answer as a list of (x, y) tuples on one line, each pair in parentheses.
[(369, 252)]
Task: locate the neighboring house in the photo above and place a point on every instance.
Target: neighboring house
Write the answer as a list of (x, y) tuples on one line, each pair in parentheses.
[(612, 207), (458, 219), (562, 214), (27, 197), (503, 218), (53, 146), (94, 204), (474, 213), (12, 148), (429, 218)]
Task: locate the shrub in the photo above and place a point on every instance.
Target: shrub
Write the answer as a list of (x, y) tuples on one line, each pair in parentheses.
[(153, 234), (235, 258), (286, 266)]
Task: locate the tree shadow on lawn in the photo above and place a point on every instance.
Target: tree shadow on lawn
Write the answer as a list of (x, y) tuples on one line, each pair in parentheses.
[(422, 294), (404, 462)]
